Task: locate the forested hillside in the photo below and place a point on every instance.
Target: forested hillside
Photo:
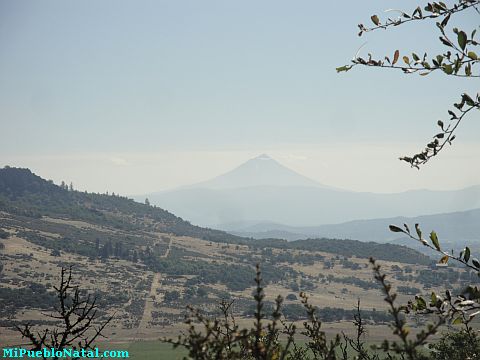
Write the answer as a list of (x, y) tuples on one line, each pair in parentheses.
[(25, 194)]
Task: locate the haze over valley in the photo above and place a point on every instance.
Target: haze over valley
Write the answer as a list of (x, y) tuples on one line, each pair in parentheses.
[(263, 198)]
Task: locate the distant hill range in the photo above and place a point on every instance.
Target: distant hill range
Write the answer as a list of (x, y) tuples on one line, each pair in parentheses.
[(263, 191), (461, 227), (26, 198)]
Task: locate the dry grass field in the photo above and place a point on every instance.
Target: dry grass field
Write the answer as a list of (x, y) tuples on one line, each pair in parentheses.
[(150, 304)]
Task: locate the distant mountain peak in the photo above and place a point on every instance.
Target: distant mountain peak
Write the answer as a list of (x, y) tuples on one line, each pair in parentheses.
[(263, 157), (262, 170)]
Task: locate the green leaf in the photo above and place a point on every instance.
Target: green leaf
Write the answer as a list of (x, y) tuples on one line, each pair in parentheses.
[(468, 70), (466, 254), (448, 69), (343, 68), (457, 321), (476, 263), (394, 228), (421, 303), (375, 19), (418, 11), (434, 238), (452, 114), (467, 99), (462, 39), (472, 55), (445, 21), (419, 232), (445, 41), (406, 60)]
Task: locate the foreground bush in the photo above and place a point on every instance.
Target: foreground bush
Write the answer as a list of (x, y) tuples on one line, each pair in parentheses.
[(222, 338)]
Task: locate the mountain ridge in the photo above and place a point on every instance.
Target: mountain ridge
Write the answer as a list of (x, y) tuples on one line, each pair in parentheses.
[(33, 199), (256, 192), (450, 226), (261, 170)]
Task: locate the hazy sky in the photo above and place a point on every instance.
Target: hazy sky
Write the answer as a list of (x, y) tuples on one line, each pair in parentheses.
[(138, 96)]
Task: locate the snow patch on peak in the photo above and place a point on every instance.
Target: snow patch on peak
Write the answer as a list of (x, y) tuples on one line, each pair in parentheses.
[(263, 157)]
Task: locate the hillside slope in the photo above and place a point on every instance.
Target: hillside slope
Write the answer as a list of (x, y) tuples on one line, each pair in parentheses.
[(145, 264), (27, 194), (32, 198)]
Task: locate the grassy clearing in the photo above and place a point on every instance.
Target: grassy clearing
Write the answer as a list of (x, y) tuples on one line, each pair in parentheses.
[(156, 350), (149, 350)]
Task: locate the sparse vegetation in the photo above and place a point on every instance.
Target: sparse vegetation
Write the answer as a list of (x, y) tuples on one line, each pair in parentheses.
[(202, 273)]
